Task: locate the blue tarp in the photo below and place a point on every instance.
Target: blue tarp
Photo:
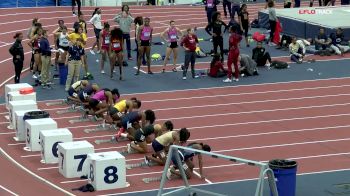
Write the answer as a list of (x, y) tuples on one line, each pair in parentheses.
[(32, 3)]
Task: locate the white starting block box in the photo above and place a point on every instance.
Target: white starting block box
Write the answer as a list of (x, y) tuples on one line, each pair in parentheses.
[(33, 128), (49, 140), (16, 96), (17, 106), (12, 88), (72, 158), (20, 126), (107, 170)]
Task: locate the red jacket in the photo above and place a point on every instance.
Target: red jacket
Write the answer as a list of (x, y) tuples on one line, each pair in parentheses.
[(190, 42), (213, 71), (234, 42)]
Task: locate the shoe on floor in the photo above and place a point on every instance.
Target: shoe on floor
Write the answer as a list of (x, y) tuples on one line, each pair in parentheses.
[(184, 78), (227, 80)]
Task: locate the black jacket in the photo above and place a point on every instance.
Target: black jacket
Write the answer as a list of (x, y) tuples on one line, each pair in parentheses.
[(17, 49)]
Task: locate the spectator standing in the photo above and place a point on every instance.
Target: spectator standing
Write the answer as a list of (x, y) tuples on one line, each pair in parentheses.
[(17, 53), (45, 60), (189, 43), (124, 19), (96, 22)]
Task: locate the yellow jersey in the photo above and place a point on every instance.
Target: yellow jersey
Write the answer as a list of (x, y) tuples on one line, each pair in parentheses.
[(166, 138), (74, 36), (121, 106)]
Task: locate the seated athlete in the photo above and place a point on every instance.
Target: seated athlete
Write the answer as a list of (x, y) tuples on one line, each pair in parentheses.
[(85, 94), (130, 123), (186, 158), (121, 108), (160, 143), (143, 136), (75, 89), (100, 101)]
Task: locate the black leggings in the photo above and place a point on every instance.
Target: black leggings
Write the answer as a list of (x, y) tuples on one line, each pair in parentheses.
[(219, 41), (79, 5), (262, 60), (18, 69)]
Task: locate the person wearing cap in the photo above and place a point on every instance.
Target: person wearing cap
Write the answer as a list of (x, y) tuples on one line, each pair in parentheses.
[(45, 60), (74, 62)]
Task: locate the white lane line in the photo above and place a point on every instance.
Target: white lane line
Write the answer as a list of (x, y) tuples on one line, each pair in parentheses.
[(33, 174), (219, 87), (8, 190)]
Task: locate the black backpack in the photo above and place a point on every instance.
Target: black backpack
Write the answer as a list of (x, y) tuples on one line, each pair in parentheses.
[(279, 65), (255, 23)]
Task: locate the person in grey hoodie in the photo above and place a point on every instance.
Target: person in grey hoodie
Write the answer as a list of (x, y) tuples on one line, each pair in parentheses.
[(248, 65), (124, 19)]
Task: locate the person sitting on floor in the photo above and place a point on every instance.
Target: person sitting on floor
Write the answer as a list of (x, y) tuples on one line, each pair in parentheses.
[(296, 51), (322, 43), (337, 40), (216, 69), (248, 65), (260, 56), (187, 163)]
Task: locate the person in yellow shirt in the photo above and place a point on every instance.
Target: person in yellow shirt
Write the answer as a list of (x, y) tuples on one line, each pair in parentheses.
[(78, 33), (122, 107)]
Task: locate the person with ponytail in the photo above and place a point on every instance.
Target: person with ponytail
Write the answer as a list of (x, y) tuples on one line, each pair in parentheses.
[(17, 53), (186, 158), (243, 20), (171, 35), (96, 22)]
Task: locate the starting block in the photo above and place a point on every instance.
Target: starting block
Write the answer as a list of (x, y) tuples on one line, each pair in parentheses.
[(141, 164), (113, 140), (33, 128), (72, 158), (61, 102), (49, 140), (101, 127), (107, 170), (20, 125), (154, 179), (84, 118), (71, 109), (11, 88), (17, 106)]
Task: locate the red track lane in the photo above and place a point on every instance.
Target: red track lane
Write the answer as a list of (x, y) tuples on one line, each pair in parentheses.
[(25, 178), (294, 141)]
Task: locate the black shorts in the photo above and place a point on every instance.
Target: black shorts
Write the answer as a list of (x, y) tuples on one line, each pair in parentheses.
[(139, 137), (97, 33), (65, 48), (157, 147), (93, 102), (82, 97), (112, 111), (145, 43), (72, 92), (173, 45)]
